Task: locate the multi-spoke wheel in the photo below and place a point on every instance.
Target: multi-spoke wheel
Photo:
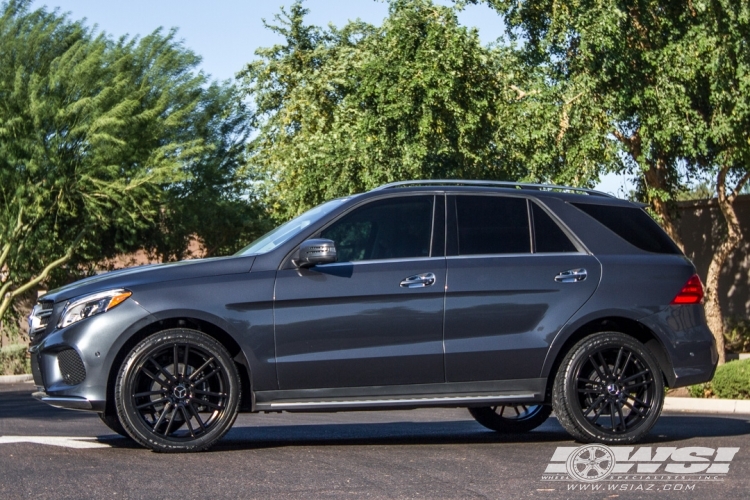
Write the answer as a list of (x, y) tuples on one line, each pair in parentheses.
[(609, 389), (178, 390), (511, 418)]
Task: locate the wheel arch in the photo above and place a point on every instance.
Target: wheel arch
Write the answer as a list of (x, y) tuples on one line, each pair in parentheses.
[(216, 332), (620, 324)]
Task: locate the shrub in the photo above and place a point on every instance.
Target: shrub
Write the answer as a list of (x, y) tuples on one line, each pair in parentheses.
[(737, 335), (731, 381), (13, 360)]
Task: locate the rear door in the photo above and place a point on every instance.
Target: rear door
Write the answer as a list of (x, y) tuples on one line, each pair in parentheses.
[(515, 277)]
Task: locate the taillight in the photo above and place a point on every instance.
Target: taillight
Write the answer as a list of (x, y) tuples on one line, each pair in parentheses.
[(691, 293)]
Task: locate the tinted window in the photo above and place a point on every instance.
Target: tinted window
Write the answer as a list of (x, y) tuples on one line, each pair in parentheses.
[(491, 225), (633, 225), (548, 237), (396, 228)]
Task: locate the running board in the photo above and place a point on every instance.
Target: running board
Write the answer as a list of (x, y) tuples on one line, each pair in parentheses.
[(411, 402)]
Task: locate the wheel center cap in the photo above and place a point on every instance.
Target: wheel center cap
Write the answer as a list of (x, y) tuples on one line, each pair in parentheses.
[(612, 389), (180, 392)]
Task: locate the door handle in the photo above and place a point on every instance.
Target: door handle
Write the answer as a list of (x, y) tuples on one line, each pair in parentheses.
[(418, 280), (571, 276)]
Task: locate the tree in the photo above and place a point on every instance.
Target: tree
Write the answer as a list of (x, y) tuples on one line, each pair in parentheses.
[(214, 202), (344, 110), (670, 81), (94, 133)]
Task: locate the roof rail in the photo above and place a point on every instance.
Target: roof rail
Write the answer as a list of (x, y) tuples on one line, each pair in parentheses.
[(508, 184)]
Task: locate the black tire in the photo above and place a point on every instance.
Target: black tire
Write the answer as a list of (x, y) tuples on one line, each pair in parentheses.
[(114, 424), (177, 391), (509, 419), (609, 389)]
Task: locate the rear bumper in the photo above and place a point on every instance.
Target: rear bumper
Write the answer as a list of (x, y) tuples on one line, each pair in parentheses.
[(689, 344)]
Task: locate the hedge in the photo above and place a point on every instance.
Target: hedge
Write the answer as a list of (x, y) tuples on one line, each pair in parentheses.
[(13, 360), (731, 381)]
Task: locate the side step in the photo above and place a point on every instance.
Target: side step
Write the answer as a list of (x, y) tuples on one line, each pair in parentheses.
[(394, 402)]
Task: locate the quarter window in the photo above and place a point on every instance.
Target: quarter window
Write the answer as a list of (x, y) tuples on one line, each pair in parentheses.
[(633, 225), (395, 228), (492, 225)]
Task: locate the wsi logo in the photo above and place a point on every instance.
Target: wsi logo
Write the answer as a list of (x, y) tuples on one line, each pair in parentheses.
[(597, 462)]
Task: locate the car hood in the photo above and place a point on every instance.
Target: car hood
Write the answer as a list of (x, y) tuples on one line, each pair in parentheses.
[(155, 273)]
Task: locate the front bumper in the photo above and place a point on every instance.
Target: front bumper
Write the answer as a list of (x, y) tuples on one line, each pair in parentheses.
[(70, 402), (72, 366)]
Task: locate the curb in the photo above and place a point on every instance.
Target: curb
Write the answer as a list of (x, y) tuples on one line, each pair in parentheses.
[(702, 405), (14, 379)]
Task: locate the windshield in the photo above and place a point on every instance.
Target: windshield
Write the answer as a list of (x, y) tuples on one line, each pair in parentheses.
[(284, 232)]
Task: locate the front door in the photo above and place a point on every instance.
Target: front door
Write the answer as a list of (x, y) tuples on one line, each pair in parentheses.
[(375, 317)]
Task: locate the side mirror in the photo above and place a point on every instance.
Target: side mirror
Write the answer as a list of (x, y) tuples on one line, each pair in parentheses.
[(314, 252)]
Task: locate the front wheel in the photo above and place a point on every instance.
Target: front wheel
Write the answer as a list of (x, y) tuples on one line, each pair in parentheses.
[(511, 418), (608, 389), (177, 391), (114, 424)]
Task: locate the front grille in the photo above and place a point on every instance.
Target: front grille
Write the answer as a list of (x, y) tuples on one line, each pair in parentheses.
[(39, 317), (71, 367)]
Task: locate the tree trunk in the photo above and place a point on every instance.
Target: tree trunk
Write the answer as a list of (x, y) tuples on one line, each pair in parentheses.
[(656, 177), (729, 244)]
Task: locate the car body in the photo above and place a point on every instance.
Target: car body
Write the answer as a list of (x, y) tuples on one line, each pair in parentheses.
[(443, 293)]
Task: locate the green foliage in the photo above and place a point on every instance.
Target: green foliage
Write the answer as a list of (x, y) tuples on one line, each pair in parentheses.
[(699, 191), (731, 381), (737, 335), (668, 80), (212, 202), (13, 360), (344, 110), (107, 146)]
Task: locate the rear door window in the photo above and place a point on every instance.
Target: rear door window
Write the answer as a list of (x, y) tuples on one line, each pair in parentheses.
[(492, 225), (548, 236)]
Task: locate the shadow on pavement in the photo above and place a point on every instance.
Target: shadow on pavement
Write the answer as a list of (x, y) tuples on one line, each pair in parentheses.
[(18, 404), (668, 428)]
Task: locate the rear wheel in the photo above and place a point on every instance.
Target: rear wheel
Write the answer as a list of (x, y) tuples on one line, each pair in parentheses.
[(178, 390), (608, 389), (511, 418)]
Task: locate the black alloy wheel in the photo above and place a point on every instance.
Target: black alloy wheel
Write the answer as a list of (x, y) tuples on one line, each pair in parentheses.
[(609, 389), (177, 391), (511, 418)]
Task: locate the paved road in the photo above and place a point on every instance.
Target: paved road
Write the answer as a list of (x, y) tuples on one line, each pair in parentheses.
[(438, 453)]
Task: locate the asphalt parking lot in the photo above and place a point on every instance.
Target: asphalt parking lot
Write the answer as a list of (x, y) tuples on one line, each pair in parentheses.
[(441, 453)]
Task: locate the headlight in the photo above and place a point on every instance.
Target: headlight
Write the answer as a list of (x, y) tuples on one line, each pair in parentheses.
[(91, 305)]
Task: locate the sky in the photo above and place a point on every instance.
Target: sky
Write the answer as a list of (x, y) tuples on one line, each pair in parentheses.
[(226, 33)]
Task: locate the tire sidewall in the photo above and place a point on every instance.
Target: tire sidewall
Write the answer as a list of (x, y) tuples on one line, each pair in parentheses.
[(573, 363), (129, 415)]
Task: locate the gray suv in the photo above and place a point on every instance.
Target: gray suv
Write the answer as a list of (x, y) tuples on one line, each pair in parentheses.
[(508, 299)]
